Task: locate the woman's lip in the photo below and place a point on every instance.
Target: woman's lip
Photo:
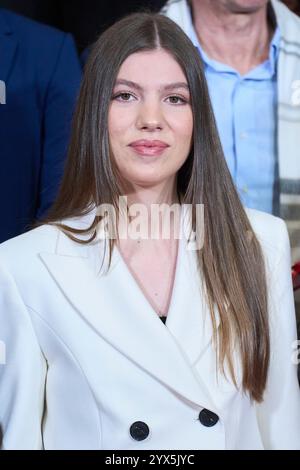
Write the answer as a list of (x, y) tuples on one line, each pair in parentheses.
[(149, 143), (148, 151)]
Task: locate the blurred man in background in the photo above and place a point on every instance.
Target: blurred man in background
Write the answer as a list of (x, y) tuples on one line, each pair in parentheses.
[(251, 54)]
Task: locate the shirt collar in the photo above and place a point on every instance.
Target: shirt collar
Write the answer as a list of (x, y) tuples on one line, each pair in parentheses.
[(274, 49)]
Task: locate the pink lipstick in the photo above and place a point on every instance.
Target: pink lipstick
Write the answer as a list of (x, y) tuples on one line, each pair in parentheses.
[(149, 147)]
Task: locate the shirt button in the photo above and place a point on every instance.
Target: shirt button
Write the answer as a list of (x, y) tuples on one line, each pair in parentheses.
[(208, 418), (139, 431), (245, 188)]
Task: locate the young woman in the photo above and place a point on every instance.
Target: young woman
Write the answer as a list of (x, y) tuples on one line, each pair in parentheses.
[(86, 361)]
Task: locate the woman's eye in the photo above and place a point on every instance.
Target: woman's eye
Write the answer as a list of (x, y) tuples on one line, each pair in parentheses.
[(125, 96), (176, 99)]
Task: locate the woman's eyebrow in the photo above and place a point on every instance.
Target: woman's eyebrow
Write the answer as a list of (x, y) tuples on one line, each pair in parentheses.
[(168, 87), (173, 86)]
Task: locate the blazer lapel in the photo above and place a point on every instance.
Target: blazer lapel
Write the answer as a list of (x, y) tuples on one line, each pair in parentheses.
[(189, 318), (116, 309), (8, 47)]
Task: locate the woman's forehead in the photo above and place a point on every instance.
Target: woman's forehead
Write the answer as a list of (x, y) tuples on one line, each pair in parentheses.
[(155, 66)]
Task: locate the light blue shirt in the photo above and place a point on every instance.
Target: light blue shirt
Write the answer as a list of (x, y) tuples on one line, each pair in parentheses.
[(245, 111)]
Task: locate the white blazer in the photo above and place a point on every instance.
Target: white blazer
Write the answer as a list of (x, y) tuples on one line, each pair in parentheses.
[(89, 365)]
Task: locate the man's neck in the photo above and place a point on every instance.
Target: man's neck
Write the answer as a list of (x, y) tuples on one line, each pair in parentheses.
[(238, 39)]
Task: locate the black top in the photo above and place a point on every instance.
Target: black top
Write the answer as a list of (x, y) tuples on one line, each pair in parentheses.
[(163, 318)]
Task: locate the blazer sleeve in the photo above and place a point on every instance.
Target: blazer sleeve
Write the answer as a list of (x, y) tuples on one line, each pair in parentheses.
[(22, 372), (57, 116), (279, 413)]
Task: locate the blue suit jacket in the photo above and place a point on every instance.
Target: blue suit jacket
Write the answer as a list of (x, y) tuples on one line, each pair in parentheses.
[(41, 70)]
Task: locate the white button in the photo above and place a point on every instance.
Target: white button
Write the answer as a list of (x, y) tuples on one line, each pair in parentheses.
[(245, 188), (243, 135)]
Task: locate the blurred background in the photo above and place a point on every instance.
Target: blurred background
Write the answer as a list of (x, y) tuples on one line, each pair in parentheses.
[(85, 19)]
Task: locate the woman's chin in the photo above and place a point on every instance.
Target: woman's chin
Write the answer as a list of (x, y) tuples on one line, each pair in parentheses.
[(146, 179)]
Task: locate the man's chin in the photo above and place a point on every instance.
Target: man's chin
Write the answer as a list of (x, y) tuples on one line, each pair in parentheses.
[(245, 7)]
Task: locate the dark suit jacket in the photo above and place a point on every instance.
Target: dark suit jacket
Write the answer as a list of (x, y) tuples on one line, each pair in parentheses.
[(40, 68)]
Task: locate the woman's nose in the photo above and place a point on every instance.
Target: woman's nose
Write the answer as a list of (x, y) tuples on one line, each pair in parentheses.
[(150, 117)]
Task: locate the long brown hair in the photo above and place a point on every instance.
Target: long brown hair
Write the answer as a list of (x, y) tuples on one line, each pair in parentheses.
[(231, 261)]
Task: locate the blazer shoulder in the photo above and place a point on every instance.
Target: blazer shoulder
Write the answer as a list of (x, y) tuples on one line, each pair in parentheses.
[(40, 45), (22, 249), (271, 232), (28, 27)]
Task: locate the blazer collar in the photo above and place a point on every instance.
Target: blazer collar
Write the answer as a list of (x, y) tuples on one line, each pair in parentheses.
[(8, 46), (115, 307)]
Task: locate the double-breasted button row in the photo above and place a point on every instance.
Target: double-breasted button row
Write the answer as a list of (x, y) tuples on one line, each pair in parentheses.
[(139, 430)]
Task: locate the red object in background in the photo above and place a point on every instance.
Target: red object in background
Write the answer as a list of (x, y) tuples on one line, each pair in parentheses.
[(296, 275)]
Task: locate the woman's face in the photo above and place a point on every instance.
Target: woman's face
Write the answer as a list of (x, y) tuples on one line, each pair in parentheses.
[(150, 120)]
